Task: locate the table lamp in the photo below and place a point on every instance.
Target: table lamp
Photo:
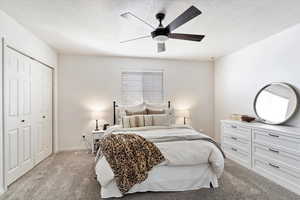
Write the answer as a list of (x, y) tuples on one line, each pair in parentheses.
[(185, 113), (97, 116)]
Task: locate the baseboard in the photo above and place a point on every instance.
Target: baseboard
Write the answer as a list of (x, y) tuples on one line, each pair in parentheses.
[(73, 149)]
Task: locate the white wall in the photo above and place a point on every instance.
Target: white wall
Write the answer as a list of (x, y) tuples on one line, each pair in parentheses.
[(87, 83), (239, 76), (18, 37)]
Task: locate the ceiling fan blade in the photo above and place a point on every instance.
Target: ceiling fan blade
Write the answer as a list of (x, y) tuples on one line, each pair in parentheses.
[(129, 15), (190, 37), (133, 39), (161, 47), (186, 16)]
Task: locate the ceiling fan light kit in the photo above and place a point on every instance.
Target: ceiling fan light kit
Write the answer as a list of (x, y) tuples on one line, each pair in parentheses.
[(162, 34)]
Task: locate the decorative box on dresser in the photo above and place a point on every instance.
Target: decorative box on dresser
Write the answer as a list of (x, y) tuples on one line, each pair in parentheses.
[(272, 151)]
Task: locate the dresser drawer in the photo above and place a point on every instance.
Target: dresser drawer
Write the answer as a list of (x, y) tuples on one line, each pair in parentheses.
[(237, 154), (276, 171), (241, 142), (276, 154), (242, 131), (272, 151), (276, 139)]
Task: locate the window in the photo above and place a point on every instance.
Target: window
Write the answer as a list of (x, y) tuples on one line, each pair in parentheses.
[(139, 87)]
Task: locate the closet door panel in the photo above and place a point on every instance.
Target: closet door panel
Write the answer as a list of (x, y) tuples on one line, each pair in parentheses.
[(47, 117), (13, 154), (26, 97), (39, 143), (11, 113), (37, 99), (17, 115), (26, 159), (27, 143), (43, 110), (25, 86), (45, 139), (13, 92)]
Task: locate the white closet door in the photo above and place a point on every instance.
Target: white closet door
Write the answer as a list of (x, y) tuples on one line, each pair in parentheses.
[(39, 127), (47, 110), (17, 115), (27, 113), (42, 98)]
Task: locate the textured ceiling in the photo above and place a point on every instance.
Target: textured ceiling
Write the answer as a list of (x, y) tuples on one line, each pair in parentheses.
[(94, 27)]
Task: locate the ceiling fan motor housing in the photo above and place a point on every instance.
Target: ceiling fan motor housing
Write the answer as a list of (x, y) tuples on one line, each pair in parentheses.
[(160, 34)]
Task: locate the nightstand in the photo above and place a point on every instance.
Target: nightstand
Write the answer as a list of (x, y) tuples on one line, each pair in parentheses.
[(96, 136)]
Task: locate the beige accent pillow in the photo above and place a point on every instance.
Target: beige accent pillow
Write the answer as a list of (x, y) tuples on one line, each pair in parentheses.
[(140, 120), (139, 112), (136, 121), (161, 120), (126, 122), (155, 111), (132, 122), (148, 120)]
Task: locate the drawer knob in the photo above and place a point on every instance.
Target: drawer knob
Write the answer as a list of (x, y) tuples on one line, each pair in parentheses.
[(22, 120), (232, 126), (233, 149), (234, 138), (275, 166), (272, 135), (273, 150)]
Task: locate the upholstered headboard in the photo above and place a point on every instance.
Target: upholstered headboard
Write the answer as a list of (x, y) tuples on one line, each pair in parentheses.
[(115, 105)]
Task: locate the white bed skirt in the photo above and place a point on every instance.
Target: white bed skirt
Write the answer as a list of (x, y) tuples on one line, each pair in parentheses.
[(168, 178)]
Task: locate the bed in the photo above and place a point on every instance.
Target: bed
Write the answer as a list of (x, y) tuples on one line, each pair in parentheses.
[(193, 161)]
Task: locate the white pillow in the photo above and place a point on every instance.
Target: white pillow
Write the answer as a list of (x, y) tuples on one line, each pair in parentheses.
[(164, 106), (120, 110), (161, 120), (126, 121), (148, 120), (156, 106)]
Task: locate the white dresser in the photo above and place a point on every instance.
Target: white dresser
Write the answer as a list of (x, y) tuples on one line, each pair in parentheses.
[(272, 151)]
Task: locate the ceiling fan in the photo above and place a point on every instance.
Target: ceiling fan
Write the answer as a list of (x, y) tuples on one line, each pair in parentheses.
[(162, 34)]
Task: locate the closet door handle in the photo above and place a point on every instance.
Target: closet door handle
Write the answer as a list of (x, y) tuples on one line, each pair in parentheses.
[(233, 149), (273, 150), (234, 138), (275, 166), (272, 135)]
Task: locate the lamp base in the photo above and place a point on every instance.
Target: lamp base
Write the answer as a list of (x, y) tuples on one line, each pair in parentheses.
[(97, 127)]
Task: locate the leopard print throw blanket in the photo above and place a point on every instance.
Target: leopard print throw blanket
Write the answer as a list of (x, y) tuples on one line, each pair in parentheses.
[(130, 157)]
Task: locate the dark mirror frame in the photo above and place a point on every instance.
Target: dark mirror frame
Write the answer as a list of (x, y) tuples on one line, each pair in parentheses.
[(284, 85)]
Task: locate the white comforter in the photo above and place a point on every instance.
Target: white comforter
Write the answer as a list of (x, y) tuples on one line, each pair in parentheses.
[(176, 146)]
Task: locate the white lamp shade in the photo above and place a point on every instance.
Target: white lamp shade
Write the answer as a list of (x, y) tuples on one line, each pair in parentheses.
[(97, 115), (182, 113)]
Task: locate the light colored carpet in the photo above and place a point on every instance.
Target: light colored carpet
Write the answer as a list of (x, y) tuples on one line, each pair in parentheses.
[(70, 176)]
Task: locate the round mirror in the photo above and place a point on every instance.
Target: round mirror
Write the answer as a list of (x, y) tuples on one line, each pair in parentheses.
[(276, 103)]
